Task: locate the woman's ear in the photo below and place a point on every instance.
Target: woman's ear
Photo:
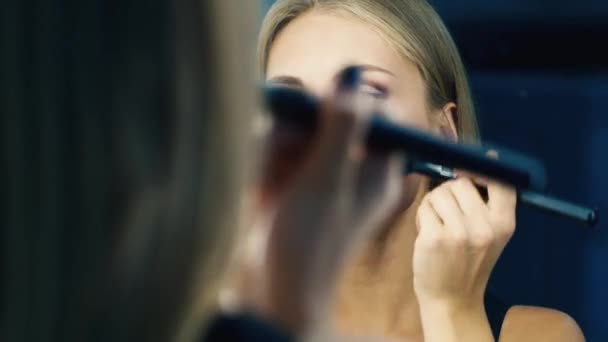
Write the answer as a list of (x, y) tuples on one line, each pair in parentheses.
[(448, 122)]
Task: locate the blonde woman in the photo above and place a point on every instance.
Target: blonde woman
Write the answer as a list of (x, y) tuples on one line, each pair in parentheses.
[(432, 261)]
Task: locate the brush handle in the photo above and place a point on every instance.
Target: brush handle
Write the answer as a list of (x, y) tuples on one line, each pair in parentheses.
[(550, 205), (522, 172)]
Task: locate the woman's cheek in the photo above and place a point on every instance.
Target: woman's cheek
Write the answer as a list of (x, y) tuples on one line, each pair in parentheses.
[(407, 110), (411, 187)]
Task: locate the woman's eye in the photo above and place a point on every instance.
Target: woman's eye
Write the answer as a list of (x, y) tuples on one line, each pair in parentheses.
[(375, 91)]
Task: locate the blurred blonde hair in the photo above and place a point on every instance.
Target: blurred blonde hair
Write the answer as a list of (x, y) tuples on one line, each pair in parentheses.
[(411, 27), (228, 78)]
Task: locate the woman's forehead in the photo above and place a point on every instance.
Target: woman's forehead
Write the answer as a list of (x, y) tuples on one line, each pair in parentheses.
[(322, 42)]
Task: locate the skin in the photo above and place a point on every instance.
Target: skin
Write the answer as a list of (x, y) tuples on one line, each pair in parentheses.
[(430, 265)]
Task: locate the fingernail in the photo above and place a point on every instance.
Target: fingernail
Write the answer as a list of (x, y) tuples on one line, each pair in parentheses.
[(349, 80), (492, 153)]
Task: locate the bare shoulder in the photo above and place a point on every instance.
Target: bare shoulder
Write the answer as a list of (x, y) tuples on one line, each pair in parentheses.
[(532, 323)]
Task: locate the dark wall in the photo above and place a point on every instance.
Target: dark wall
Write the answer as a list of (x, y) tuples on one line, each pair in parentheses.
[(553, 262), (540, 78), (83, 89)]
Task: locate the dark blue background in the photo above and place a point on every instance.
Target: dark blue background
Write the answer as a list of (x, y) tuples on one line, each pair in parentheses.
[(539, 71)]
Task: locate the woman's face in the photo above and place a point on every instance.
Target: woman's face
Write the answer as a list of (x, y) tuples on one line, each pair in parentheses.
[(312, 50)]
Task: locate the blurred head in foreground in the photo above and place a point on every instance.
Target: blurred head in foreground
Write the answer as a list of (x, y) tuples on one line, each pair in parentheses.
[(124, 178)]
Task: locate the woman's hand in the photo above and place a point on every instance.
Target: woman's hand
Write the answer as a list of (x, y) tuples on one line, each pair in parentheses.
[(338, 196), (459, 241)]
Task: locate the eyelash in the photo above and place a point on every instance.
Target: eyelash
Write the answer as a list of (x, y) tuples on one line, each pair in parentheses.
[(375, 90)]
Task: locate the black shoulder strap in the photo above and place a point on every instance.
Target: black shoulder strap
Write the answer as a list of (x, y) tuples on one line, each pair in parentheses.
[(496, 311)]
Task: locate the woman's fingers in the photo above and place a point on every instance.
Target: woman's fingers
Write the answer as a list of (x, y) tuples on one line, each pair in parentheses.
[(290, 149), (337, 197), (475, 211), (370, 181), (286, 147), (326, 189), (467, 195), (344, 121), (427, 217), (502, 200), (446, 206), (501, 197)]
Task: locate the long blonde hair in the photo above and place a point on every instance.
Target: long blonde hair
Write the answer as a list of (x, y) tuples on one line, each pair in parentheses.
[(412, 28)]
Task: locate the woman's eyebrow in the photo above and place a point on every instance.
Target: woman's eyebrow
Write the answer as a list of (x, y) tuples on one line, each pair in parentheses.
[(372, 67), (297, 82), (368, 67)]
